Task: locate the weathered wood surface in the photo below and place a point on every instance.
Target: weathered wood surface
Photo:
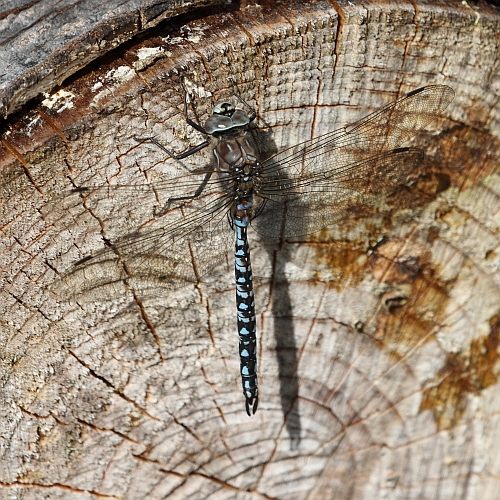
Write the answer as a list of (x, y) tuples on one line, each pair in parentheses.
[(43, 43), (378, 339)]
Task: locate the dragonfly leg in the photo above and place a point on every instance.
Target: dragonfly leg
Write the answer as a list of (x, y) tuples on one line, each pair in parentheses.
[(181, 156), (253, 113), (193, 124), (197, 193)]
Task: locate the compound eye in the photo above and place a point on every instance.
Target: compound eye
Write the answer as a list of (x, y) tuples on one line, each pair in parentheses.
[(224, 109)]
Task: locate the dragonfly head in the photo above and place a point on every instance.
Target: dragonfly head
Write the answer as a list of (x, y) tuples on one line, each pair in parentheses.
[(226, 119), (224, 109)]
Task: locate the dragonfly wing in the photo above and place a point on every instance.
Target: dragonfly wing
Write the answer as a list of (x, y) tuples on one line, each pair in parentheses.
[(161, 257), (322, 200), (315, 184), (113, 200), (383, 130), (394, 124)]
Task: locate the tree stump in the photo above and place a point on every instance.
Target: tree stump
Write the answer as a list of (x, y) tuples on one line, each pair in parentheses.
[(378, 338)]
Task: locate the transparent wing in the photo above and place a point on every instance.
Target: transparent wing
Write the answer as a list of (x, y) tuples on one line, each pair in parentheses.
[(325, 201), (195, 239), (109, 200), (317, 183)]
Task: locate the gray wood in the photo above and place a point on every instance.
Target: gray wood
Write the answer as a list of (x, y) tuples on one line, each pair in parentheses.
[(43, 43), (378, 338)]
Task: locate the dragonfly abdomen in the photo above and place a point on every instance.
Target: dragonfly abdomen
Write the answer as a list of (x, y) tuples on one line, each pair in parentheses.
[(245, 304)]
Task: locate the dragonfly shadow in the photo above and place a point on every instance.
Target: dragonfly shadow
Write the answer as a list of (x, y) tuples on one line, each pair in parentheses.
[(283, 325), (286, 346)]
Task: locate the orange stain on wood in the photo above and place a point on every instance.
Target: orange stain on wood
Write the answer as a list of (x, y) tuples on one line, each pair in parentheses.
[(416, 297), (415, 301), (461, 375)]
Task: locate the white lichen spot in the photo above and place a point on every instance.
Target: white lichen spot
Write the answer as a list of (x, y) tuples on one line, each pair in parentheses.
[(62, 99), (31, 125), (147, 55), (194, 38), (174, 40), (146, 52), (198, 90), (122, 73), (193, 34), (116, 76), (96, 86)]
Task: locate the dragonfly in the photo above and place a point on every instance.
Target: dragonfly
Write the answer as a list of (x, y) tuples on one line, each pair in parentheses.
[(298, 191)]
